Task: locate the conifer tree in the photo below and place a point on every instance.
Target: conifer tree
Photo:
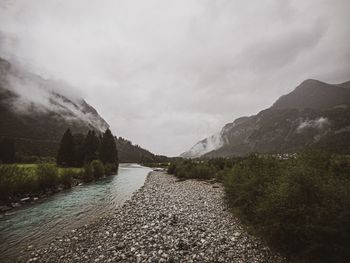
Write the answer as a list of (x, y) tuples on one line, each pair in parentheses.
[(79, 149), (66, 152), (7, 150), (108, 148), (91, 146)]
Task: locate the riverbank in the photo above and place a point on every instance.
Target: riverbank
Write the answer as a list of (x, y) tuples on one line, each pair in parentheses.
[(40, 223), (165, 221), (21, 184)]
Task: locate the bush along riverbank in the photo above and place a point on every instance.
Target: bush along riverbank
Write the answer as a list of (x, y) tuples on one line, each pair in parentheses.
[(80, 159), (22, 183), (299, 205)]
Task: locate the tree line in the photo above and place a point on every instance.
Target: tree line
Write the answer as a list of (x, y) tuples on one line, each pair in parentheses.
[(75, 150), (7, 150)]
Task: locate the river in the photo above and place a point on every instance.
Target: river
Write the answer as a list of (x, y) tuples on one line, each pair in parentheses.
[(38, 223)]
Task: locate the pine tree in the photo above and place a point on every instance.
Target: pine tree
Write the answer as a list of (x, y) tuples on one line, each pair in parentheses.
[(7, 150), (91, 146), (66, 152), (79, 149), (108, 148)]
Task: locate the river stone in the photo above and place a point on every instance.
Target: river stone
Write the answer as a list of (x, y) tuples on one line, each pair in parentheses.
[(165, 221)]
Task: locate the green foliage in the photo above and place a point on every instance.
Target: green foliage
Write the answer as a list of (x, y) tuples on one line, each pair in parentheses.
[(7, 150), (251, 178), (171, 168), (223, 163), (67, 175), (66, 153), (88, 173), (15, 180), (188, 169), (77, 150), (340, 166), (47, 175), (19, 180), (31, 159), (108, 148), (110, 168), (97, 169), (129, 153), (91, 145), (301, 205), (201, 169)]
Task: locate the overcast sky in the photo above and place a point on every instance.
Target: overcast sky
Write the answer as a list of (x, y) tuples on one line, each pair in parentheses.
[(166, 74)]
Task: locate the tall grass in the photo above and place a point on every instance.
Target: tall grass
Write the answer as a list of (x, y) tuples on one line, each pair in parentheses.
[(17, 180)]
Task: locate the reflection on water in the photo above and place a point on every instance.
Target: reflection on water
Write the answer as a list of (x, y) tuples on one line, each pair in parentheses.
[(39, 223)]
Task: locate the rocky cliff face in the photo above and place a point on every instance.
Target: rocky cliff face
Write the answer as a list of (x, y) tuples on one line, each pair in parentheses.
[(315, 115)]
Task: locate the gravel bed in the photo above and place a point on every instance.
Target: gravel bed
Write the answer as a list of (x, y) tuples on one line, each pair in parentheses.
[(165, 221)]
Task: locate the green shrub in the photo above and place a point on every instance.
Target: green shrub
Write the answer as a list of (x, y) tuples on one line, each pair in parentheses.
[(301, 206), (171, 168), (88, 174), (47, 175), (184, 169), (340, 166), (67, 175), (245, 184), (97, 169), (110, 168), (15, 180), (202, 171)]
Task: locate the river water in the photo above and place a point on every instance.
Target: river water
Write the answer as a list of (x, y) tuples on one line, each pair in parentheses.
[(37, 224)]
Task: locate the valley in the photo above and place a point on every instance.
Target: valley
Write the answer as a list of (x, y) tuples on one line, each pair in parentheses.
[(230, 197)]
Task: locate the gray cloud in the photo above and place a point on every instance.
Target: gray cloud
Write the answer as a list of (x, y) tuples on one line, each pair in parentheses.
[(168, 73), (272, 54)]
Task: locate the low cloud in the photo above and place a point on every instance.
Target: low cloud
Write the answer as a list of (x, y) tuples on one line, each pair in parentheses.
[(33, 94), (319, 124)]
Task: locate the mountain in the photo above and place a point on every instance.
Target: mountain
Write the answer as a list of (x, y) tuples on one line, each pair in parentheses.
[(36, 115), (129, 153), (315, 115), (204, 146), (314, 94)]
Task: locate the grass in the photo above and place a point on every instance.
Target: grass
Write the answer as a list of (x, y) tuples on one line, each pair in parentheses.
[(27, 165), (33, 166), (17, 180), (22, 180)]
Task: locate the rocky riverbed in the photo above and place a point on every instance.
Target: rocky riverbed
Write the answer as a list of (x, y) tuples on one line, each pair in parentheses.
[(165, 221)]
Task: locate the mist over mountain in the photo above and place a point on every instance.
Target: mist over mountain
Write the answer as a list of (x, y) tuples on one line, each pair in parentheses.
[(315, 115), (36, 112)]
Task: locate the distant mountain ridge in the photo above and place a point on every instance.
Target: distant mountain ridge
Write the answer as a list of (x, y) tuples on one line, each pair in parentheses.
[(36, 115), (315, 115), (314, 94)]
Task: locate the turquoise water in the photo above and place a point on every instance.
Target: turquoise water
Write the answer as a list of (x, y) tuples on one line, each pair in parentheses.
[(37, 224)]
